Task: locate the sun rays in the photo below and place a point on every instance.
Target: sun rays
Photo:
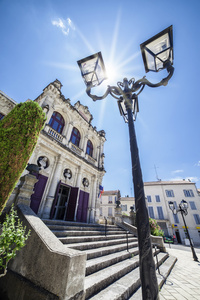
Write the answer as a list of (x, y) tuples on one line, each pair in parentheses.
[(117, 63)]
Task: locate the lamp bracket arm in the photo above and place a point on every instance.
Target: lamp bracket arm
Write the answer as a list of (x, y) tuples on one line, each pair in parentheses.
[(94, 97), (164, 81)]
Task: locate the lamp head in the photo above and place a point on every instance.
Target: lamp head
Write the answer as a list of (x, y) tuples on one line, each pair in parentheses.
[(184, 205), (92, 69), (171, 205), (157, 52)]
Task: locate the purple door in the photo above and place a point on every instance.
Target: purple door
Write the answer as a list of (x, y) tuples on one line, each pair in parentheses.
[(82, 209), (72, 204), (38, 192)]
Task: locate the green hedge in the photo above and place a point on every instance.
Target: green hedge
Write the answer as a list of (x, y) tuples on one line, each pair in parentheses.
[(19, 131), (155, 228)]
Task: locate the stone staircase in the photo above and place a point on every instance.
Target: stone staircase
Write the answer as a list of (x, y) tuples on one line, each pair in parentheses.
[(112, 266)]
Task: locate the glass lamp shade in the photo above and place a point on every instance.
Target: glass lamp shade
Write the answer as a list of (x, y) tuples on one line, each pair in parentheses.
[(123, 110), (92, 69), (171, 205), (158, 50), (184, 204)]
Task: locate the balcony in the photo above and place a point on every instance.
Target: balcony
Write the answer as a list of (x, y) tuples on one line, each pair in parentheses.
[(75, 149), (90, 159), (53, 133)]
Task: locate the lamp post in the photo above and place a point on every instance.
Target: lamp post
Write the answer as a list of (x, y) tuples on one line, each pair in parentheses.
[(157, 54), (183, 209)]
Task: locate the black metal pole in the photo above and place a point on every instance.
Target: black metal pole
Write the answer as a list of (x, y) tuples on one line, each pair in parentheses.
[(191, 246), (147, 265)]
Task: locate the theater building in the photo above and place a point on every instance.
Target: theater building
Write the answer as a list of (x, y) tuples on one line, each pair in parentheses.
[(70, 155)]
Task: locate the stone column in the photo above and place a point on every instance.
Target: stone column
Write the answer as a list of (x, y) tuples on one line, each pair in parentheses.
[(69, 131), (93, 200), (52, 189), (25, 189), (78, 185), (118, 212)]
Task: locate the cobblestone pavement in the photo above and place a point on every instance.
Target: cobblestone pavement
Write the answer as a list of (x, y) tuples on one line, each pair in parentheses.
[(184, 280)]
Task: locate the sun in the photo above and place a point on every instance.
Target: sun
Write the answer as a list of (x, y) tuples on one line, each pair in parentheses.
[(112, 73)]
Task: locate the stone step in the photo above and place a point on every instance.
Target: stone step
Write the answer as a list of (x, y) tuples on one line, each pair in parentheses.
[(95, 282), (98, 252), (123, 286), (57, 227), (99, 263), (161, 273), (84, 239), (71, 232), (98, 244), (68, 224)]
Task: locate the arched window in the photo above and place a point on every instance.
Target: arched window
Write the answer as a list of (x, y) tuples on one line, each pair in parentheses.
[(75, 137), (89, 149), (57, 122)]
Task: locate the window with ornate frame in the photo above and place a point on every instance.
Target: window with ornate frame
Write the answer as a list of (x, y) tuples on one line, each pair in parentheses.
[(75, 137), (57, 122), (89, 149)]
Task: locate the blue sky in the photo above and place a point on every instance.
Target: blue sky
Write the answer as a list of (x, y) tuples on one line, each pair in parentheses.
[(42, 40)]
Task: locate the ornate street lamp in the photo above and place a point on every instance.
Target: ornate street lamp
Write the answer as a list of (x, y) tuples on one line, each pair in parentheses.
[(157, 55), (183, 209)]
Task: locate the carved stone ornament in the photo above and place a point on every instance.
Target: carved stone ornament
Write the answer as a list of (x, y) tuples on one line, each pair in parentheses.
[(67, 173), (43, 162), (85, 182)]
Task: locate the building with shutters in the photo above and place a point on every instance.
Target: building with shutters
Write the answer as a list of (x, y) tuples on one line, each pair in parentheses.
[(159, 193), (70, 155), (108, 203)]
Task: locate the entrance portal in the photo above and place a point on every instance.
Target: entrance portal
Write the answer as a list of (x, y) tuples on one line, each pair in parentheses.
[(62, 203)]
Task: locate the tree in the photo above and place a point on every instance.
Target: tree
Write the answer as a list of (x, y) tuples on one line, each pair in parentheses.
[(19, 131)]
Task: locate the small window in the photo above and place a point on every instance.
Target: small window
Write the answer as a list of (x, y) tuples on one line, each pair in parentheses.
[(169, 193), (75, 137), (89, 149), (197, 219), (160, 213), (148, 198), (57, 122), (151, 212), (192, 205), (124, 207), (109, 211), (1, 116), (110, 199), (188, 193), (157, 198)]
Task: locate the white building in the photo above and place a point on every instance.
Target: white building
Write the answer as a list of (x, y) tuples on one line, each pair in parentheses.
[(159, 193), (126, 204), (70, 155), (108, 203)]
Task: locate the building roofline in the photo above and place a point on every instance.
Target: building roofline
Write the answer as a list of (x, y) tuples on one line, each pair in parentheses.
[(9, 98), (175, 182)]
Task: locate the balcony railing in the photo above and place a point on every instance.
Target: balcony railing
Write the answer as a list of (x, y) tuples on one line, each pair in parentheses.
[(76, 149), (57, 136)]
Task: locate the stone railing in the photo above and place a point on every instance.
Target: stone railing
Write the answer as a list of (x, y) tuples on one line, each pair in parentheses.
[(57, 136), (155, 240), (90, 159), (75, 149)]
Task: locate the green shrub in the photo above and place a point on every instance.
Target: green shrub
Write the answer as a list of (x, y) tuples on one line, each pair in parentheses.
[(155, 228), (12, 239), (19, 131)]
